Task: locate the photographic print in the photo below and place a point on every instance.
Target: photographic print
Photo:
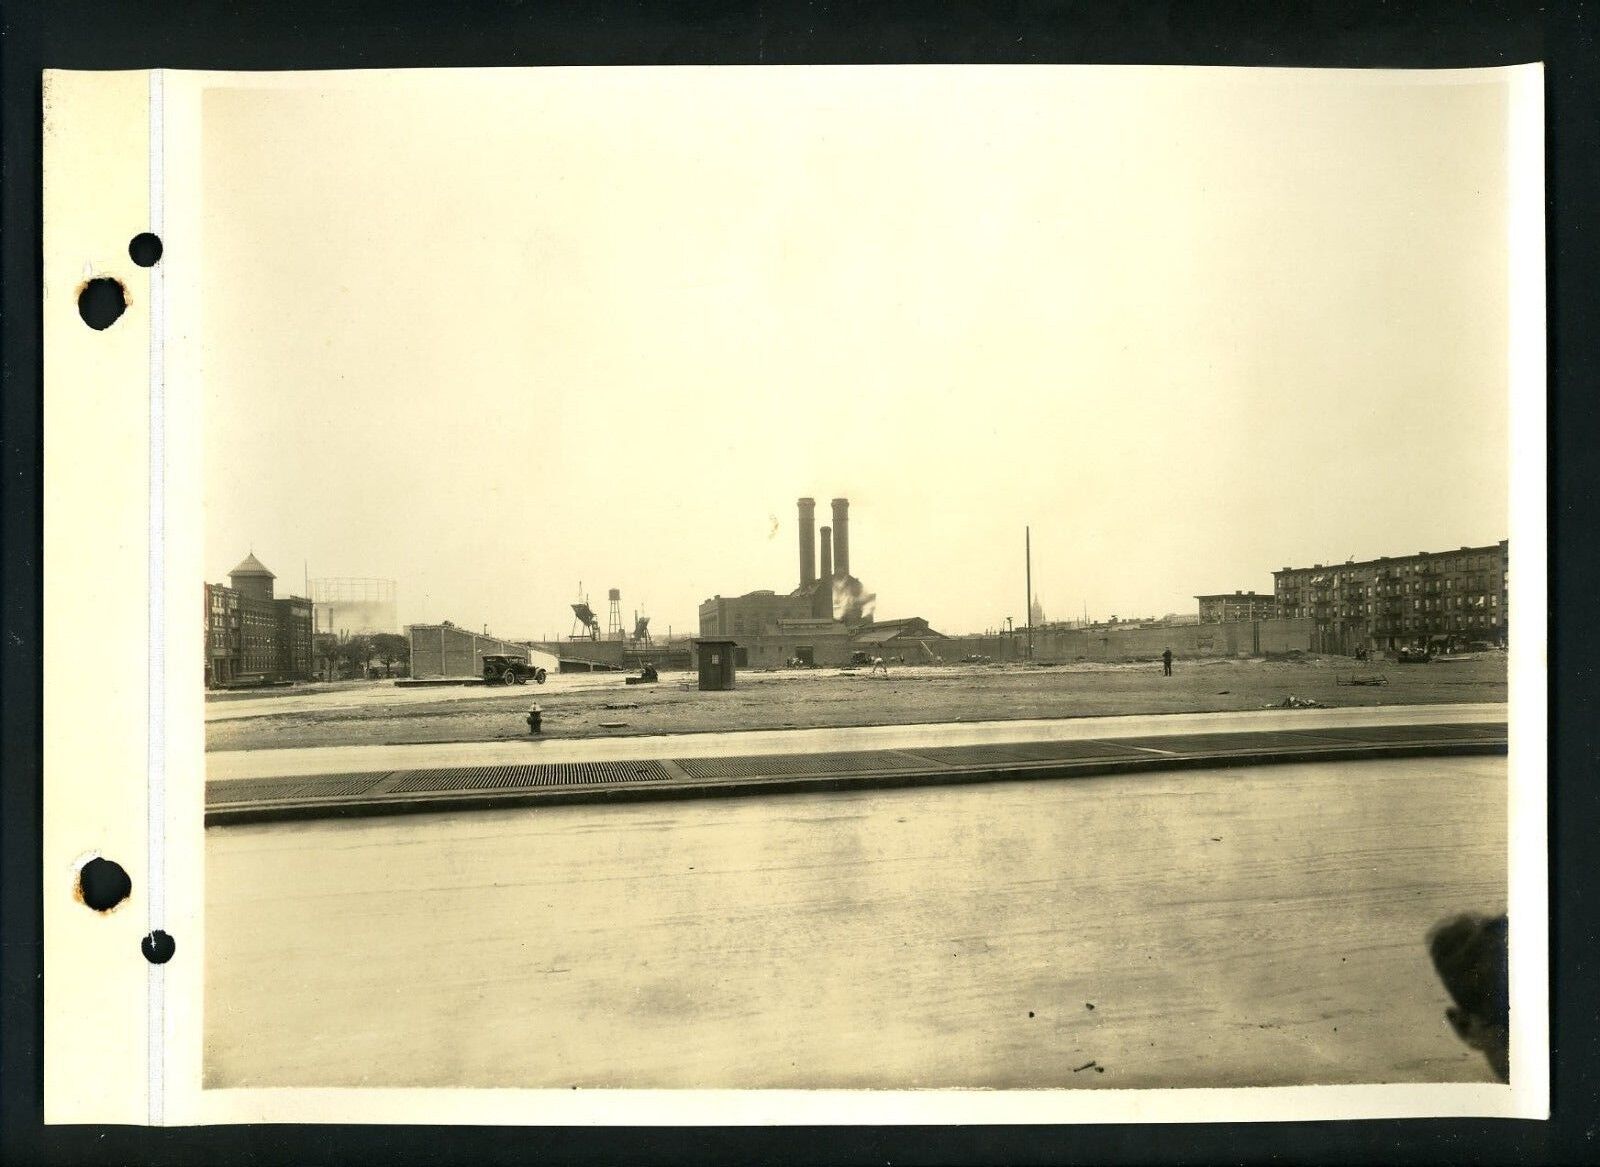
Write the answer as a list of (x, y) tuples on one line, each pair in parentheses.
[(850, 579)]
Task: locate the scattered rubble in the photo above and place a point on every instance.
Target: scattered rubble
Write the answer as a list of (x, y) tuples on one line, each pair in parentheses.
[(1292, 702), (1374, 679)]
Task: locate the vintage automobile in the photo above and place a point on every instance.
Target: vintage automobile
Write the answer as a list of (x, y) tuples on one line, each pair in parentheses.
[(510, 670)]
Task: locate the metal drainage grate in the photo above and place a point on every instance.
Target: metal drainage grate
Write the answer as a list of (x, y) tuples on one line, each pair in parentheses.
[(1071, 750), (1387, 734), (321, 786), (1011, 752), (786, 765), (543, 774), (1221, 744)]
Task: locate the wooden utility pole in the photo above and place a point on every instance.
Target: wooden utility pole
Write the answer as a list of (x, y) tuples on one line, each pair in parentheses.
[(1027, 535)]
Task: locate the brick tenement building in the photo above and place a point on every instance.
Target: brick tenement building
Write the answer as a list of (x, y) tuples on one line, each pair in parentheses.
[(1225, 608), (1439, 599), (249, 633)]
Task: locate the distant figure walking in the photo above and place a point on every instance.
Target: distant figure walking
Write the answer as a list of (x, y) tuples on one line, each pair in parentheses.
[(877, 663), (1166, 662)]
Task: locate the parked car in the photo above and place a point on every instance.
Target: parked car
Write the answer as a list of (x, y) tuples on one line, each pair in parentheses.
[(511, 670)]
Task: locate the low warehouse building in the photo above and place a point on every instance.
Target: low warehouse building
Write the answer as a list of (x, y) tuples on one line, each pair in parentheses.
[(909, 640)]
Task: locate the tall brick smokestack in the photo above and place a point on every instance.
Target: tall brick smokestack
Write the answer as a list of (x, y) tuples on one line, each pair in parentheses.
[(841, 536), (827, 553), (808, 542)]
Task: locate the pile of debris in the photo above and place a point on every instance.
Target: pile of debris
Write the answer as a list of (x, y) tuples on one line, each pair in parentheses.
[(1374, 679), (1295, 703)]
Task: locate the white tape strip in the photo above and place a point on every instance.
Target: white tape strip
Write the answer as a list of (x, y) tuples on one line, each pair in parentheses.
[(156, 761)]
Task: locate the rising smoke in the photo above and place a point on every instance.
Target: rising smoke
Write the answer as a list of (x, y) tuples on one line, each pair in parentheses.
[(852, 602)]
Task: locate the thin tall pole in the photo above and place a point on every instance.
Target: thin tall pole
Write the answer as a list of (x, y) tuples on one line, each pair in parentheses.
[(1027, 535)]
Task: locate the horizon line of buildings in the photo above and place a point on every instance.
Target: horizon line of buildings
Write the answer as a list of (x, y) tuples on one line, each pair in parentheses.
[(1438, 599)]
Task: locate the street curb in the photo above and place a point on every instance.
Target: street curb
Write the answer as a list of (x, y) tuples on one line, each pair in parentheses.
[(284, 810)]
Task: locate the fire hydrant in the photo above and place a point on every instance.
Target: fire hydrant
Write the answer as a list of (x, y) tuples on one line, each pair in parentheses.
[(534, 718)]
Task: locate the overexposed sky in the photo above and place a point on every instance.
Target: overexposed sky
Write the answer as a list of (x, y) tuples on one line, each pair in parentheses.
[(493, 334)]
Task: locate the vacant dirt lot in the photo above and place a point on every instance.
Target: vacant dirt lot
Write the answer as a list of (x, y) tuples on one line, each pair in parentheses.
[(805, 699)]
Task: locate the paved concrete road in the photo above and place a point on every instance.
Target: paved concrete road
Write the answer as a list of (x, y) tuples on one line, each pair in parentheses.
[(230, 764), (1229, 927)]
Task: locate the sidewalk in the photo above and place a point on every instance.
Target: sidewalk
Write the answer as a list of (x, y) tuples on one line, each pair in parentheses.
[(231, 764), (320, 783)]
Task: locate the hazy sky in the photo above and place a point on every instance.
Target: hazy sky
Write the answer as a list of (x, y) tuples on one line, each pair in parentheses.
[(494, 334)]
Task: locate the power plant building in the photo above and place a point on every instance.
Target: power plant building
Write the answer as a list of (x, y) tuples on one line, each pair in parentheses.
[(756, 612), (820, 621)]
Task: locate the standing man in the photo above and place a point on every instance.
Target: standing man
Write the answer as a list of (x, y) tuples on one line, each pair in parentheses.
[(1166, 662)]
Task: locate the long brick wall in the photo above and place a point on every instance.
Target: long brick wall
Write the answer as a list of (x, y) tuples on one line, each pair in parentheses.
[(1060, 645), (1249, 637), (440, 651)]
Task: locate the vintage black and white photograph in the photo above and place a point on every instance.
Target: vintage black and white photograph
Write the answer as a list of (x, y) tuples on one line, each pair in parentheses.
[(888, 579)]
